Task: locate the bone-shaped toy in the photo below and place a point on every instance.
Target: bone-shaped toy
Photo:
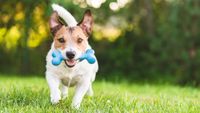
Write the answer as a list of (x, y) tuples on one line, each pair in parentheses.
[(88, 55), (57, 57)]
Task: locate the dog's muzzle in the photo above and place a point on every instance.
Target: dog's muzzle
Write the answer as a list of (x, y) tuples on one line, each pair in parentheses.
[(70, 55), (70, 61)]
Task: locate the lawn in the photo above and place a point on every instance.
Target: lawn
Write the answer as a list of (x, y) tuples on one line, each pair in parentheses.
[(31, 95)]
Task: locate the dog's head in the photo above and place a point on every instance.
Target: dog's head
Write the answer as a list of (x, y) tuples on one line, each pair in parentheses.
[(71, 41)]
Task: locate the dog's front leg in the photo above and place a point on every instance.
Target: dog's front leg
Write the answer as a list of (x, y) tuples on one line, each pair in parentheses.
[(53, 83), (90, 91), (80, 91)]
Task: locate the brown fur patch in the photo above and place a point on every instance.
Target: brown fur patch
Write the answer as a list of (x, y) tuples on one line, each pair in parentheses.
[(71, 35), (55, 29)]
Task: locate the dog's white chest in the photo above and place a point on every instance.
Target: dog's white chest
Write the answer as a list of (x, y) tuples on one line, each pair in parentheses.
[(71, 80)]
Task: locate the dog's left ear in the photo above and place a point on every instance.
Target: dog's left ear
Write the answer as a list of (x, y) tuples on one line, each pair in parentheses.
[(87, 22), (54, 23)]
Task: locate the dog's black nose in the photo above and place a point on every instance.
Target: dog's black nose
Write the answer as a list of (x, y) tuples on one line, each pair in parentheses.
[(70, 54)]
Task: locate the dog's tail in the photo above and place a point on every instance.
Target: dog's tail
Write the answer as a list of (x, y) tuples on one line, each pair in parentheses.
[(65, 15)]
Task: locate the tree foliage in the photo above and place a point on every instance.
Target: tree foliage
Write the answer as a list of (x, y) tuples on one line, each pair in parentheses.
[(143, 40)]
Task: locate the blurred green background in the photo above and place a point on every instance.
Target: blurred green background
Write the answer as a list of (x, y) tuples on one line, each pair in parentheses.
[(134, 40)]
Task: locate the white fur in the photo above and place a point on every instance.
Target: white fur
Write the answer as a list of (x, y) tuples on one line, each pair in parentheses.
[(61, 77), (63, 13), (81, 75)]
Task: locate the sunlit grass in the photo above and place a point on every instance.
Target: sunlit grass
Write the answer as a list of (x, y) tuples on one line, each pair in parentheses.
[(31, 95)]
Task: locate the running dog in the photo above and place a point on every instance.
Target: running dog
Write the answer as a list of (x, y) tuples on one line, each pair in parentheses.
[(72, 42)]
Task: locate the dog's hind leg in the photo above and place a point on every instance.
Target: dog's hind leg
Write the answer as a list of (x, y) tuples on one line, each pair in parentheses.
[(64, 90)]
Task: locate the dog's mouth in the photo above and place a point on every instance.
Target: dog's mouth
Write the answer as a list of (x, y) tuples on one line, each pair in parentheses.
[(70, 63)]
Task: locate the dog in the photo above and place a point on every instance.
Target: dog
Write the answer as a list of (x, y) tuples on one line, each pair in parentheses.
[(71, 41)]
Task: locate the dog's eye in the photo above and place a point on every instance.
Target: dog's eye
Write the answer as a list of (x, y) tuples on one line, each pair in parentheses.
[(79, 40), (61, 40)]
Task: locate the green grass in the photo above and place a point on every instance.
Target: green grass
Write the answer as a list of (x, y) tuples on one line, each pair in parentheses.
[(31, 95)]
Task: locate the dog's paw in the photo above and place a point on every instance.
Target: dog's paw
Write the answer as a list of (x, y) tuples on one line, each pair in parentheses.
[(55, 100), (64, 96), (75, 106), (90, 93)]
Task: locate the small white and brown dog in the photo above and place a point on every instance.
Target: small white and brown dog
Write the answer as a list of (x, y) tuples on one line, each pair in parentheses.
[(72, 41)]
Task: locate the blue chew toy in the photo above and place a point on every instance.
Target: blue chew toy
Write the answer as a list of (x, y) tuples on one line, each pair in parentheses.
[(88, 55), (57, 58)]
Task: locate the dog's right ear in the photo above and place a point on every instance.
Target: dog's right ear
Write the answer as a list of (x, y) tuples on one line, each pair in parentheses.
[(54, 23), (87, 22)]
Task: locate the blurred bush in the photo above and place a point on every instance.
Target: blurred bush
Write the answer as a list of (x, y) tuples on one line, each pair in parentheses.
[(141, 39)]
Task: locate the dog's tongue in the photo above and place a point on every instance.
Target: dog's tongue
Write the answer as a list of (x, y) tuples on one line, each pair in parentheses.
[(71, 62)]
